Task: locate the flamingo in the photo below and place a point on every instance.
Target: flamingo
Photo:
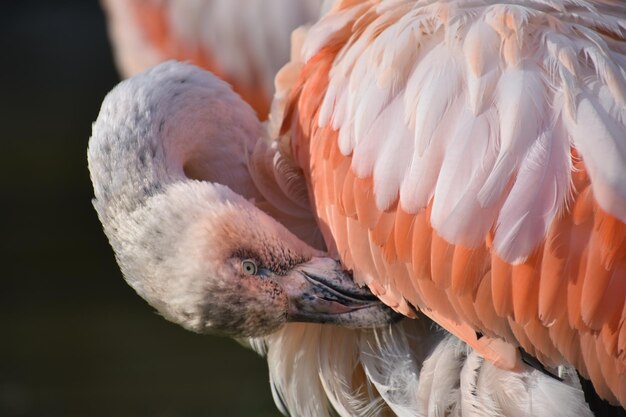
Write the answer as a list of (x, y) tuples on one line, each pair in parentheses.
[(241, 41), (202, 211), (544, 207)]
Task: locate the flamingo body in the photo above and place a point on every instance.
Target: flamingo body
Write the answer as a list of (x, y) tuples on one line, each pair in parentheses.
[(467, 158)]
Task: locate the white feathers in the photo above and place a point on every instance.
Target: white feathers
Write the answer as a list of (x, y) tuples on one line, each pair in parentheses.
[(493, 97), (598, 131), (429, 92), (439, 389), (293, 364), (536, 197), (471, 156), (520, 102), (411, 368), (392, 366), (481, 53)]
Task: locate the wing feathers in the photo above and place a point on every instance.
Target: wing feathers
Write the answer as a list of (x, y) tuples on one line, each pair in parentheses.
[(520, 103), (600, 140), (487, 165), (481, 48), (540, 188)]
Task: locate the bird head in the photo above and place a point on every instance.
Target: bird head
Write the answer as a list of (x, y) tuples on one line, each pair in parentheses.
[(212, 262), (200, 253)]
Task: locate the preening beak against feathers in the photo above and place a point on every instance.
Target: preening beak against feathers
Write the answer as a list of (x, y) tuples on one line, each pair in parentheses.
[(167, 165)]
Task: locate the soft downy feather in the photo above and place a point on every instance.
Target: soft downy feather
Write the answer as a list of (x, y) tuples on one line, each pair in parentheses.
[(412, 368), (284, 190)]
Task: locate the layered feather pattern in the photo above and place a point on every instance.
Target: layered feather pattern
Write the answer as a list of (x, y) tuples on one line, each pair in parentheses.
[(509, 89), (467, 158)]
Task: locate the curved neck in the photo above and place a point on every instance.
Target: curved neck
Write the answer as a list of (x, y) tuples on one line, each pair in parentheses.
[(128, 163), (176, 123), (156, 129)]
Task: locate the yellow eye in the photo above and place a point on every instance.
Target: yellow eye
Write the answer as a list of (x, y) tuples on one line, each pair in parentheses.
[(249, 267)]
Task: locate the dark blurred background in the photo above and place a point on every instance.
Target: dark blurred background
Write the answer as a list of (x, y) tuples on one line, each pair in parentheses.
[(75, 339)]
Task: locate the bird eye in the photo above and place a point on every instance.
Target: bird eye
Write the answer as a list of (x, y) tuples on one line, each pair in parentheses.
[(249, 267)]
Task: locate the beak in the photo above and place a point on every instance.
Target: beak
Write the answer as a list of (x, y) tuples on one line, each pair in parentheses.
[(320, 291)]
